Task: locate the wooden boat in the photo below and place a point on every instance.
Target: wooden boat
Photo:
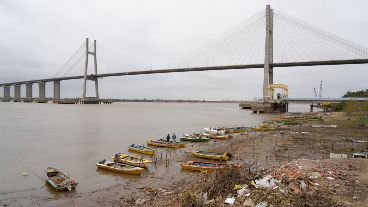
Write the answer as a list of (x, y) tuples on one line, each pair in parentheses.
[(212, 155), (234, 130), (291, 123), (263, 129), (159, 143), (206, 166), (194, 138), (141, 149), (119, 167), (221, 136), (59, 181), (130, 160)]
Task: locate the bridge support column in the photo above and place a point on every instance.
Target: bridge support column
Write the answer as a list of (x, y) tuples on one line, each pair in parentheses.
[(6, 94), (85, 99), (56, 91), (268, 70), (17, 97), (28, 92), (41, 93)]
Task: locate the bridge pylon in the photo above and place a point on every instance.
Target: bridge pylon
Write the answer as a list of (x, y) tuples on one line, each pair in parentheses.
[(92, 77), (268, 69)]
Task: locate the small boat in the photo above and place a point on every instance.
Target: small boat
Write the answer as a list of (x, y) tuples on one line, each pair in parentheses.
[(212, 155), (221, 136), (263, 129), (59, 181), (206, 166), (130, 160), (192, 138), (292, 123), (233, 130), (120, 167), (141, 149), (160, 143)]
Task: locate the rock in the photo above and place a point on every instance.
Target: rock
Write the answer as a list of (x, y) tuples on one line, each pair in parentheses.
[(262, 204), (294, 187), (140, 187), (205, 197), (140, 201), (230, 200), (315, 175), (303, 185), (248, 203), (212, 201)]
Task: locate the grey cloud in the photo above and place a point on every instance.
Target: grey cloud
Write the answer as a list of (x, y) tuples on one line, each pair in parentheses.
[(38, 36)]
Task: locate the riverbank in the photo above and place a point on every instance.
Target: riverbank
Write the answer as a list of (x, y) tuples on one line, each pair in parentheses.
[(166, 185)]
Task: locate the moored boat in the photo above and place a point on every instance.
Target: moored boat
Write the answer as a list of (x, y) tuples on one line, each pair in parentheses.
[(206, 166), (131, 160), (212, 155), (141, 149), (221, 136), (160, 143), (59, 181), (233, 130), (263, 128), (119, 167), (190, 138)]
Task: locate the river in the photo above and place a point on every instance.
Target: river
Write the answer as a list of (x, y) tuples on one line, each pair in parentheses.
[(74, 137)]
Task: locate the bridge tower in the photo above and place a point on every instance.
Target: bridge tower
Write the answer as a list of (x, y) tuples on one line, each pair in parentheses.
[(92, 77), (268, 70)]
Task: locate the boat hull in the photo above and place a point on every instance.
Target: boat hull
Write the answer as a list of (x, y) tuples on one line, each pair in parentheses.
[(131, 171), (204, 167), (126, 159), (223, 157), (185, 139), (59, 181), (58, 188), (163, 144), (145, 151), (220, 137)]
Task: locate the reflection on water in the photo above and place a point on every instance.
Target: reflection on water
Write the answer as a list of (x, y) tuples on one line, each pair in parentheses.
[(73, 138)]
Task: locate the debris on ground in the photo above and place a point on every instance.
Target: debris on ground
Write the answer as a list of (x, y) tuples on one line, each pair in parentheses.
[(296, 183), (338, 156)]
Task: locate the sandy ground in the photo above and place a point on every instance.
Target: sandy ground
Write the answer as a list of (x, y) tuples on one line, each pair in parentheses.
[(266, 149)]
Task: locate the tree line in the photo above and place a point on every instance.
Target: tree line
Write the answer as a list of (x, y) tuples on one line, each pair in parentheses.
[(362, 93)]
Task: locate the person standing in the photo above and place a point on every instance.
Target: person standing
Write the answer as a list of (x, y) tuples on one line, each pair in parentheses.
[(168, 138), (174, 137)]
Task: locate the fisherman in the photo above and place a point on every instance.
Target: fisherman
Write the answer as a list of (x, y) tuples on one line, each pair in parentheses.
[(174, 137), (168, 138)]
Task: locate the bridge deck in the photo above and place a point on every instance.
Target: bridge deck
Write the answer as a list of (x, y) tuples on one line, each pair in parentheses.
[(178, 70)]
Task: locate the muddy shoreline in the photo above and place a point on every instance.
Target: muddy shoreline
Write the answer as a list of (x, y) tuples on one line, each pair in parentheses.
[(266, 149)]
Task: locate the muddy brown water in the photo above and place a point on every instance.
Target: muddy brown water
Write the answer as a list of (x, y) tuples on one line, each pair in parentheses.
[(74, 137)]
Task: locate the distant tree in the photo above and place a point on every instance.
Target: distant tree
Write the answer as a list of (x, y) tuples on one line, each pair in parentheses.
[(362, 93), (357, 109)]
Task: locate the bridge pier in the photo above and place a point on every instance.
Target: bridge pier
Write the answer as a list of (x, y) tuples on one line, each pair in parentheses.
[(17, 97), (41, 93), (6, 94), (268, 60), (28, 92), (85, 99), (56, 98)]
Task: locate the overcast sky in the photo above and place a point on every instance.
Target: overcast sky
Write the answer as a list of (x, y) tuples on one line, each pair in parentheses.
[(38, 36)]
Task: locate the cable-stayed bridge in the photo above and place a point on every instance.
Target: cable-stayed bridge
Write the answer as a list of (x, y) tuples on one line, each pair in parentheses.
[(269, 39)]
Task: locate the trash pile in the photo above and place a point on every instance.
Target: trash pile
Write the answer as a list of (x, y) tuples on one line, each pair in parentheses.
[(297, 183), (292, 116)]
